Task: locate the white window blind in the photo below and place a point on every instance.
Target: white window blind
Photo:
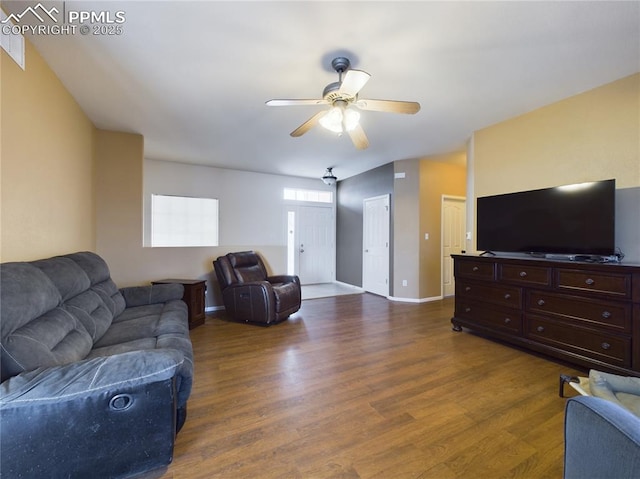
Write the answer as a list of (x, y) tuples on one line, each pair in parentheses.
[(183, 221)]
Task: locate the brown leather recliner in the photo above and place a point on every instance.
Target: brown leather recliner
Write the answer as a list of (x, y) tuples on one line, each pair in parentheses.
[(250, 295)]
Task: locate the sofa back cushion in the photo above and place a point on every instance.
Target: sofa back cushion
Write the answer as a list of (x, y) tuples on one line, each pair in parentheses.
[(35, 330), (54, 310), (87, 290)]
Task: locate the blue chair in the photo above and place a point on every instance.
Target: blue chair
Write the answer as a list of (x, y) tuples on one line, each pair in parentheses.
[(602, 440)]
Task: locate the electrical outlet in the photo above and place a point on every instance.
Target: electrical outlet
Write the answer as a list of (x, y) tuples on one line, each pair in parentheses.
[(404, 282), (426, 236)]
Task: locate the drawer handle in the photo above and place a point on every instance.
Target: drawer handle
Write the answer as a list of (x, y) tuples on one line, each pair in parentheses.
[(540, 329), (475, 268), (605, 346), (467, 288), (606, 314), (507, 296), (507, 320), (467, 309), (541, 302), (589, 281), (523, 274)]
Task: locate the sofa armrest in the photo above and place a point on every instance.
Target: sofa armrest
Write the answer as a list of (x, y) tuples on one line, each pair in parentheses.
[(602, 439), (91, 376), (151, 294), (114, 414)]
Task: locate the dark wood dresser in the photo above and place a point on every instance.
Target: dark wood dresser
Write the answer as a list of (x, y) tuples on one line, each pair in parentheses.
[(584, 313)]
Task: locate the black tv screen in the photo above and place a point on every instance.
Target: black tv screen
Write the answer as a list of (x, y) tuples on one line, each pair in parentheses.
[(570, 219)]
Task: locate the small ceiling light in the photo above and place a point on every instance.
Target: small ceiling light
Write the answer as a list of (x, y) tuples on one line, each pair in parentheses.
[(329, 178)]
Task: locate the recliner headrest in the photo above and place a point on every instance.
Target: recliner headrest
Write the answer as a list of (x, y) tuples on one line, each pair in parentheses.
[(243, 259)]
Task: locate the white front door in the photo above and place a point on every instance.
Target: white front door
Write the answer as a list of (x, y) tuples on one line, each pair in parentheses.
[(453, 227), (315, 244), (375, 256)]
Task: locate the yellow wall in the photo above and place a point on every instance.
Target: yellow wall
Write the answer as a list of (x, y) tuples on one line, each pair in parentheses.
[(47, 164), (591, 136), (436, 179)]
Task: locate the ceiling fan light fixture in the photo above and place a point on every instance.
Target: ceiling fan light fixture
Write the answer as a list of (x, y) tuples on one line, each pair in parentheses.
[(332, 121), (341, 96), (329, 178), (340, 119), (351, 118)]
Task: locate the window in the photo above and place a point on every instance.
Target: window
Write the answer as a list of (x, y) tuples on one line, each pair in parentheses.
[(314, 196), (183, 221)]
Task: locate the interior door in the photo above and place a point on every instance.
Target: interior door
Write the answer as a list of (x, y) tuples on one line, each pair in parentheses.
[(453, 238), (315, 241), (375, 256)]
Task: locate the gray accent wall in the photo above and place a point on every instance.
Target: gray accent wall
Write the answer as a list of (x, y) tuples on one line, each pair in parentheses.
[(351, 193)]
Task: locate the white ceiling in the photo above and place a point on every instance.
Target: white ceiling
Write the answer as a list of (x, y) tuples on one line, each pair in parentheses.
[(193, 77)]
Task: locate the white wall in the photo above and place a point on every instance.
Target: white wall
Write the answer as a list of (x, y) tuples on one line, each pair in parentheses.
[(251, 204), (252, 213)]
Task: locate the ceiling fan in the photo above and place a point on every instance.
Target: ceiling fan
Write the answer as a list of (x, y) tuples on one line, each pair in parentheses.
[(343, 97)]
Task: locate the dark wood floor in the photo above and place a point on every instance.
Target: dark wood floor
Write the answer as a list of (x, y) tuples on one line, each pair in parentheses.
[(360, 387)]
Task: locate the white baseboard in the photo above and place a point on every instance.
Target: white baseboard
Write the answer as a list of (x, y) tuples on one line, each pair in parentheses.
[(414, 300), (347, 285), (211, 309)]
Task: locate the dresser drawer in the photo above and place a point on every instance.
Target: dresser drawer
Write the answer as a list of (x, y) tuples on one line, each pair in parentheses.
[(598, 313), (494, 317), (534, 275), (510, 296), (612, 284), (475, 269), (609, 348)]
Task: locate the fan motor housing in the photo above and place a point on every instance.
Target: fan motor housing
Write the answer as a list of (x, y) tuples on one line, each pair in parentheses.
[(332, 93)]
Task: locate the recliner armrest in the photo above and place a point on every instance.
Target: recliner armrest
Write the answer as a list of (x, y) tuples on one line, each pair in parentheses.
[(151, 294), (252, 302), (283, 278)]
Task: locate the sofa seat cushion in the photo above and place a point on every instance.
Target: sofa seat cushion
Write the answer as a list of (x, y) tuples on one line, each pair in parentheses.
[(154, 326), (149, 321)]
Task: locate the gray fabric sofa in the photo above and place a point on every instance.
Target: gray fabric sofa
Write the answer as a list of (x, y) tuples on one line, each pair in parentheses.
[(602, 440), (95, 379)]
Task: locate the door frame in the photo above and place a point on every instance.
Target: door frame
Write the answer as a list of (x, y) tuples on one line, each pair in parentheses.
[(464, 224)]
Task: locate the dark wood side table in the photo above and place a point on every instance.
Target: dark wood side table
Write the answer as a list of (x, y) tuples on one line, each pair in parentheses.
[(194, 290)]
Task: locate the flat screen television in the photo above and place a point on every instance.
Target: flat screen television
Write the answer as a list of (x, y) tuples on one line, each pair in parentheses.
[(572, 219)]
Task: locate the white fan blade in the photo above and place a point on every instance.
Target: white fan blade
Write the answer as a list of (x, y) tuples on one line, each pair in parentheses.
[(318, 101), (353, 82), (358, 137), (310, 123), (391, 106)]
